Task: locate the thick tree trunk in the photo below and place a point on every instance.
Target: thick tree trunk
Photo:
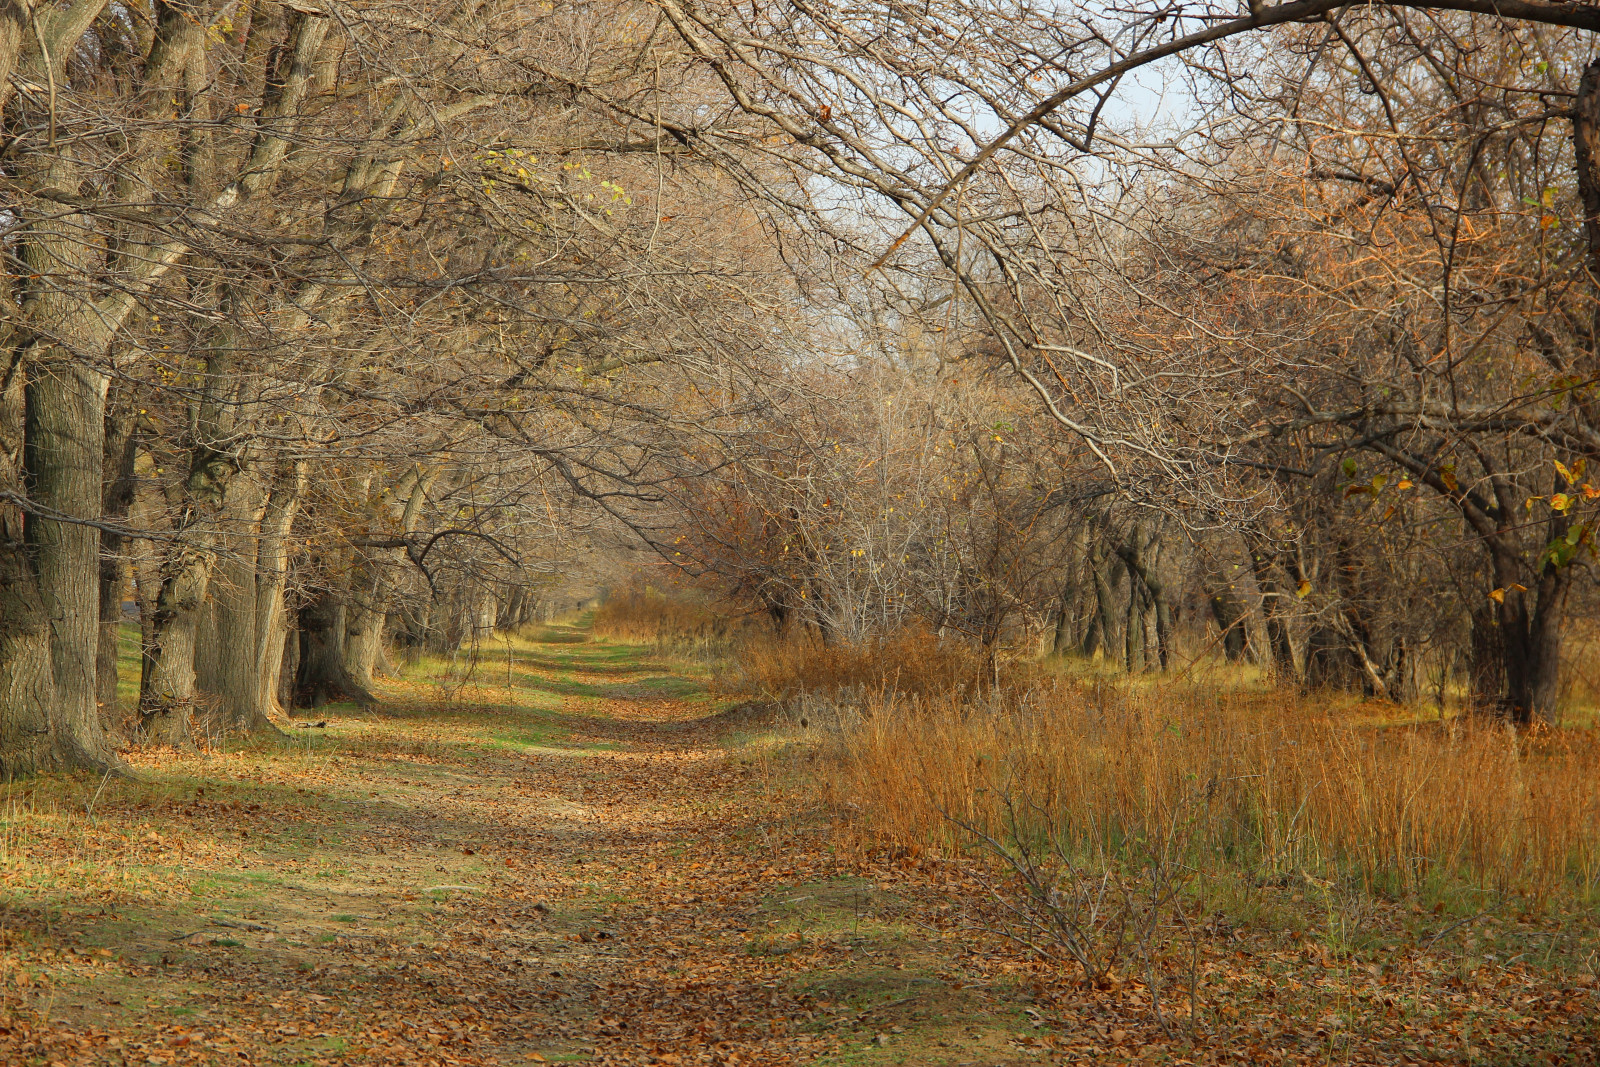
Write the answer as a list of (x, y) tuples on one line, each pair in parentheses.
[(1586, 166), (363, 640), (271, 612), (167, 700), (121, 448), (1141, 555), (289, 676), (1279, 643), (1067, 608), (13, 23), (243, 651), (1103, 570), (1066, 629), (1530, 647), (1330, 662), (27, 688), (1133, 629), (64, 454), (323, 677), (52, 432)]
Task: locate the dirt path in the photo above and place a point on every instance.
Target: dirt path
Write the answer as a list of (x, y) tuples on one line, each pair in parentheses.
[(595, 862), (586, 857)]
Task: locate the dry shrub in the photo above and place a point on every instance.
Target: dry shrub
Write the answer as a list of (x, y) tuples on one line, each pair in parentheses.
[(1263, 783), (912, 663)]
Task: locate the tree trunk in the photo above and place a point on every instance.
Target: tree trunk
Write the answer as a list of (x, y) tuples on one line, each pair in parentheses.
[(1586, 165), (1530, 643), (167, 700), (64, 453), (323, 677), (242, 653), (27, 688), (1067, 612), (52, 439), (1229, 609), (1103, 568), (1066, 629), (1279, 642), (364, 620), (121, 448), (1140, 555), (1330, 662), (1133, 628), (272, 615), (13, 20), (242, 648), (289, 676)]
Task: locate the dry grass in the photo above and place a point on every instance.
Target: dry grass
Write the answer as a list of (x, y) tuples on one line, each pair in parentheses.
[(642, 614), (911, 663), (675, 624), (1261, 782)]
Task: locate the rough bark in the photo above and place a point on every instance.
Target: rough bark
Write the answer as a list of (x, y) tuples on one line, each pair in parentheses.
[(1067, 610), (65, 439), (121, 448), (1279, 643), (13, 24), (1104, 570), (1140, 554), (243, 646), (364, 620), (49, 559), (289, 676), (249, 618), (168, 691), (323, 677)]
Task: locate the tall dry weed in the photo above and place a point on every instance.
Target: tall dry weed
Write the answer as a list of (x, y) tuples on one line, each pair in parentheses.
[(1271, 783)]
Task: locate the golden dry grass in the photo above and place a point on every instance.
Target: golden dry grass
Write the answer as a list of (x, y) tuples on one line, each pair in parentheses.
[(913, 662), (1264, 783), (1268, 782), (642, 614)]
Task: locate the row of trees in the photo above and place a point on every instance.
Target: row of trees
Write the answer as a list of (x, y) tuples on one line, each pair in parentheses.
[(329, 325), (1336, 336), (351, 320)]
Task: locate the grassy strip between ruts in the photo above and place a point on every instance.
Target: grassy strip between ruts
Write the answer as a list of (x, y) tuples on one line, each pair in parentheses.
[(576, 853)]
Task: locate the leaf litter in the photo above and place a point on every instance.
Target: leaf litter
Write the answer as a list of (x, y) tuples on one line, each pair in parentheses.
[(614, 877)]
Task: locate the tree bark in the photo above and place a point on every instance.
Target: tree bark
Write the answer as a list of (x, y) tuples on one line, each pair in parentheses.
[(27, 688), (364, 621), (121, 448), (249, 618), (167, 697), (1104, 566), (1140, 555), (1231, 614), (65, 443), (1279, 642), (323, 676)]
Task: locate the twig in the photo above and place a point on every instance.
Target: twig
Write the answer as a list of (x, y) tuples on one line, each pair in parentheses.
[(1463, 922), (88, 811)]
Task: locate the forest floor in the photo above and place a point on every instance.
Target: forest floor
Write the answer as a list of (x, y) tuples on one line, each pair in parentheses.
[(584, 855)]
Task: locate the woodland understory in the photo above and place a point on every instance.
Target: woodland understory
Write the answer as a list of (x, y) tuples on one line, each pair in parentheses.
[(600, 850), (1137, 467)]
